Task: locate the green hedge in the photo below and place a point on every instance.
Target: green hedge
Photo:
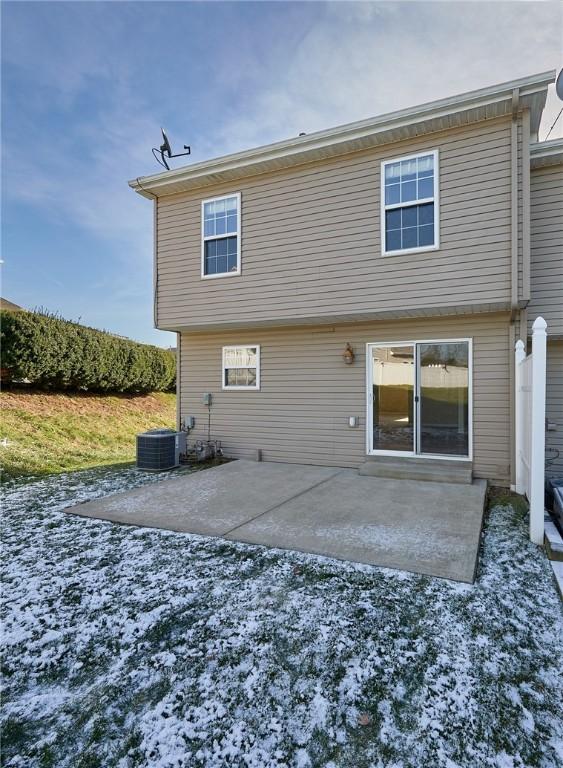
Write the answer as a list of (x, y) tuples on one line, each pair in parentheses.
[(56, 354)]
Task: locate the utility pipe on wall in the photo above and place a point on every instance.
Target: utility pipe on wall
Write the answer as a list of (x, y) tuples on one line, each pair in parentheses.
[(514, 203)]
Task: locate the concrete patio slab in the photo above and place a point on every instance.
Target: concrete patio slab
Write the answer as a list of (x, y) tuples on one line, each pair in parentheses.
[(210, 502), (430, 528), (423, 527)]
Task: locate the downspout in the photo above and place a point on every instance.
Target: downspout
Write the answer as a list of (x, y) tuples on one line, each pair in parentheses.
[(526, 258), (154, 254), (514, 309), (514, 206), (526, 225), (155, 303), (155, 264)]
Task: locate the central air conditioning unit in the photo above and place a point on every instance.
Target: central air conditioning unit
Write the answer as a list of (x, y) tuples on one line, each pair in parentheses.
[(160, 449)]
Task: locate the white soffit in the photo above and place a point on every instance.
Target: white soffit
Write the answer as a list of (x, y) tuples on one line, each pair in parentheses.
[(472, 107)]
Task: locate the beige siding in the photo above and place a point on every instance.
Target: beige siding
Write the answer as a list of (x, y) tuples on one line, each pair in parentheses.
[(311, 244), (307, 393), (554, 407), (547, 247)]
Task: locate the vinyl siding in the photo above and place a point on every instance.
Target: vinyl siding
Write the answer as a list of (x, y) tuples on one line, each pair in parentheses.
[(307, 392), (554, 407), (311, 245), (547, 247)]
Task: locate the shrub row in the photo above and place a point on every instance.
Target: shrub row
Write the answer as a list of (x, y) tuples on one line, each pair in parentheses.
[(56, 354)]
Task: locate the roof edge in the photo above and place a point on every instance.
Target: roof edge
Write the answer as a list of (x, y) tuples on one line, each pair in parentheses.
[(544, 153), (300, 146)]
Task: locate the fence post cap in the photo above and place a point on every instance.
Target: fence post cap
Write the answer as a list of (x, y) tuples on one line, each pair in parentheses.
[(539, 324), (519, 345)]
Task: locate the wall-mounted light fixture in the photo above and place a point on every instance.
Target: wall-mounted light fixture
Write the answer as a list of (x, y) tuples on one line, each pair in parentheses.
[(348, 354)]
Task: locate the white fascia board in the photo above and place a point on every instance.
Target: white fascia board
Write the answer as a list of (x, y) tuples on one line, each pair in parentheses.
[(546, 153), (304, 148)]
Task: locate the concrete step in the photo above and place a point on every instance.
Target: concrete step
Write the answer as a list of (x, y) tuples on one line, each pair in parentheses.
[(407, 468), (553, 541), (557, 566)]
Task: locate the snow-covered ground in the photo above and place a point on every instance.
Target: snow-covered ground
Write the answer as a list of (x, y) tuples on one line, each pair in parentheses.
[(136, 647)]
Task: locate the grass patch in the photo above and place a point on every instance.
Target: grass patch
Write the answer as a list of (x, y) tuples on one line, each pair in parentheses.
[(144, 647), (56, 432), (503, 497)]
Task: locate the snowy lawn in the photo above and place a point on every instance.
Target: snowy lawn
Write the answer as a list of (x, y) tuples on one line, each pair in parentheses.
[(134, 647)]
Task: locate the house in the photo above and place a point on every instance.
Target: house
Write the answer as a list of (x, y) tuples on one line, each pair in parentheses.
[(546, 282), (353, 297), (9, 306)]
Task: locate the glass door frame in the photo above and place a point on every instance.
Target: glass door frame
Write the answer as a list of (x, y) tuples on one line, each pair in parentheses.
[(415, 453)]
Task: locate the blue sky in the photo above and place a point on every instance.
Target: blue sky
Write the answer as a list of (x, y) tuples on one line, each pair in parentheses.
[(86, 86)]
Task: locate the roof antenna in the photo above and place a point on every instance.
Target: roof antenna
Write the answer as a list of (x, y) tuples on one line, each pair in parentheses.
[(166, 149)]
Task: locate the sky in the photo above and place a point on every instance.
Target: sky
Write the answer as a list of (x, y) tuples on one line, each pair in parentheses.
[(87, 85)]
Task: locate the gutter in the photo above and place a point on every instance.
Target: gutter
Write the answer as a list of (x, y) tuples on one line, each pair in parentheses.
[(334, 141), (544, 153)]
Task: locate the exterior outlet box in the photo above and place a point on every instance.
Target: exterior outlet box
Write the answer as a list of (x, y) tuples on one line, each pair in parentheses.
[(207, 398), (353, 421), (190, 422)]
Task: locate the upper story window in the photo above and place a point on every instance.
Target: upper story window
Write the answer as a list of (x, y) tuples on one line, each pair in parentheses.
[(241, 367), (220, 236), (409, 204)]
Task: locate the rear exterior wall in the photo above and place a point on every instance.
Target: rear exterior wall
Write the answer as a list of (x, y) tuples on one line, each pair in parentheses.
[(300, 414), (554, 409), (547, 248), (311, 240)]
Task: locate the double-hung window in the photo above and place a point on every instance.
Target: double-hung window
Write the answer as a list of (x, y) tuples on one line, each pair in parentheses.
[(220, 236), (409, 209), (241, 367)]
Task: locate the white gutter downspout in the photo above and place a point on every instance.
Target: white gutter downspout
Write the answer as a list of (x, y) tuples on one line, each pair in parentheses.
[(513, 274), (526, 242), (154, 249), (155, 302), (514, 204), (154, 264)]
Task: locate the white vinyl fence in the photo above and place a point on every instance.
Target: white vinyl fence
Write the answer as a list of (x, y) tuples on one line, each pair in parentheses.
[(530, 425)]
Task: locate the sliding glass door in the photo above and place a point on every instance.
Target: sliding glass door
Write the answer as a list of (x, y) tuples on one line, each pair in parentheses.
[(393, 391), (420, 398), (444, 398)]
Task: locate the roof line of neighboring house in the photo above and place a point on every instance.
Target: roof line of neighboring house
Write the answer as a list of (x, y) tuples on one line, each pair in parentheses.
[(485, 103), (10, 306), (544, 153)]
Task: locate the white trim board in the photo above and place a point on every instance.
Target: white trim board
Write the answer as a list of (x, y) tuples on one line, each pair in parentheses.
[(399, 206), (249, 388), (237, 234), (485, 103), (416, 390)]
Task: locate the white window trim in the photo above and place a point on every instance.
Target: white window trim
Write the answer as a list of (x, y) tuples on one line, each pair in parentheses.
[(435, 200), (251, 388), (205, 238), (370, 451)]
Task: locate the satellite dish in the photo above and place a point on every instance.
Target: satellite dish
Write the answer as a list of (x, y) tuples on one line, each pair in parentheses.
[(166, 149), (165, 146), (559, 85)]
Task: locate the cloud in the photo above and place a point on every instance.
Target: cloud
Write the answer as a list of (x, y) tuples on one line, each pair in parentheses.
[(85, 97), (364, 59), (352, 61)]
